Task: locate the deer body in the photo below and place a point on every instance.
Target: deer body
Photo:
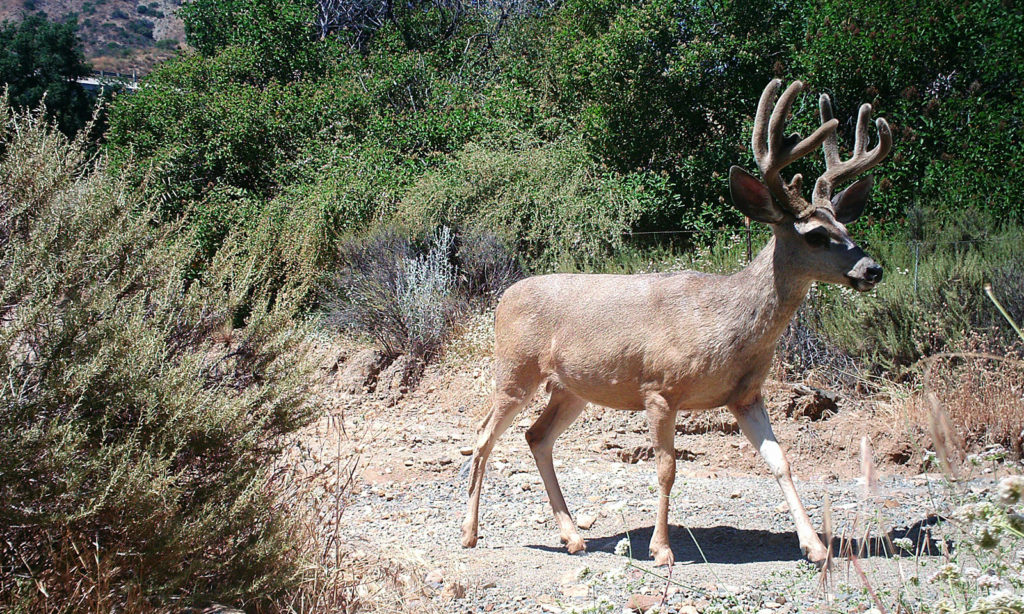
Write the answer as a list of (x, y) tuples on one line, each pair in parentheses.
[(686, 341), (699, 340)]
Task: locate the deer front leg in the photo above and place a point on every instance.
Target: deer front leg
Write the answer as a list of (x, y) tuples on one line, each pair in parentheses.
[(563, 408), (662, 421), (753, 421)]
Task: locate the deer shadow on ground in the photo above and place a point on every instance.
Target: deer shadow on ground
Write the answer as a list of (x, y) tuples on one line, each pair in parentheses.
[(733, 546)]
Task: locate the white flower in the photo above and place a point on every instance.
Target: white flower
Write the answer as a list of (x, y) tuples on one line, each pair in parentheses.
[(1001, 600), (989, 581), (904, 543), (622, 548), (965, 512), (949, 571), (1010, 489)]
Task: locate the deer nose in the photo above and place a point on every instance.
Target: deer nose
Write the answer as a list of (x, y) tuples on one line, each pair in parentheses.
[(873, 274)]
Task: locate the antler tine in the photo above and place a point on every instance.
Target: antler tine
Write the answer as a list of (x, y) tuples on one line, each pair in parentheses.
[(773, 151), (759, 139), (861, 161), (831, 143)]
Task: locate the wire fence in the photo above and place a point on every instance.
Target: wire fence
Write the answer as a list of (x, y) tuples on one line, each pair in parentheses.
[(754, 236)]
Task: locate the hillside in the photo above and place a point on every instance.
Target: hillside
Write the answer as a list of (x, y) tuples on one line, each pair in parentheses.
[(119, 35)]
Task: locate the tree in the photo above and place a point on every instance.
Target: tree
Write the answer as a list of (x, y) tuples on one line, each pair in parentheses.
[(40, 58)]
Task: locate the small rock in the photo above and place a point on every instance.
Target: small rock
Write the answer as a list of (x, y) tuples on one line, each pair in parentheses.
[(454, 590), (782, 508), (361, 371), (393, 382), (547, 603), (586, 520), (571, 577), (643, 602), (467, 451), (811, 403), (688, 609), (525, 486), (408, 462), (434, 578), (736, 494), (576, 591)]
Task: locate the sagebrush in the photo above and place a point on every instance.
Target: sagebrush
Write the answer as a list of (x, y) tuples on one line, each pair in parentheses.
[(137, 426)]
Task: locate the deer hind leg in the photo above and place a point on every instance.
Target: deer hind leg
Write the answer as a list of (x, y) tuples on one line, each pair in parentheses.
[(753, 421), (563, 408), (506, 402), (662, 421)]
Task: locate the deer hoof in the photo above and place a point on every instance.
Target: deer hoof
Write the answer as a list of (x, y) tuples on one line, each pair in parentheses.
[(817, 555), (468, 537), (662, 556), (575, 544)]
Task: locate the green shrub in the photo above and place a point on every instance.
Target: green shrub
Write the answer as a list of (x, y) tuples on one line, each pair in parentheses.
[(549, 200), (137, 428), (932, 298)]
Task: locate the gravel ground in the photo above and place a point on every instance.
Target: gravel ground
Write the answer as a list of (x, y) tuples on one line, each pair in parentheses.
[(735, 545)]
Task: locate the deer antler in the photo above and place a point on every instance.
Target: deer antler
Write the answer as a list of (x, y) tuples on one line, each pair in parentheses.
[(837, 171), (773, 151)]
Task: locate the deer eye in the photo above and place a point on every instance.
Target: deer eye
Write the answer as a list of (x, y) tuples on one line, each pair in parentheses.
[(817, 237)]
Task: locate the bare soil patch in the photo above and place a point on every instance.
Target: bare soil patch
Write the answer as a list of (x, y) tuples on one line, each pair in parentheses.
[(730, 531)]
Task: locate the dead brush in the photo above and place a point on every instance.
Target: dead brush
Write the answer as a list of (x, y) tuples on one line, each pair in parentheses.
[(982, 396)]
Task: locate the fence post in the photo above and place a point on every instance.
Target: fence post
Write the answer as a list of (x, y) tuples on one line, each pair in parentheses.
[(746, 222), (917, 253)]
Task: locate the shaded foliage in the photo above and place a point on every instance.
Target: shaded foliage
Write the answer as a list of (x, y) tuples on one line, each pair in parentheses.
[(38, 59)]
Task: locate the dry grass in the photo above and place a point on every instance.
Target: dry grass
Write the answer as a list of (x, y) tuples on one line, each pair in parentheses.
[(982, 394)]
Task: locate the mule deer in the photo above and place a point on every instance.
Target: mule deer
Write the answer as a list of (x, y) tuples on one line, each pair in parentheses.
[(688, 341)]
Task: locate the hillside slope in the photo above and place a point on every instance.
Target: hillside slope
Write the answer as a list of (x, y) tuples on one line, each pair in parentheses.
[(121, 35)]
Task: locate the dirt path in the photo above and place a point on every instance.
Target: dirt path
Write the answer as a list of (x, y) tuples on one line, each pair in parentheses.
[(735, 545)]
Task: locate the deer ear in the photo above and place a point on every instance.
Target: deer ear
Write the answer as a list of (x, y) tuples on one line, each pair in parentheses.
[(849, 204), (752, 197)]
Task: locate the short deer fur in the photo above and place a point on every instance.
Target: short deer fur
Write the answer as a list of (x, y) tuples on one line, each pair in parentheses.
[(664, 343)]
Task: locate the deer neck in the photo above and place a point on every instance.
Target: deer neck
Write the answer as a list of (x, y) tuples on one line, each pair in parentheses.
[(770, 289)]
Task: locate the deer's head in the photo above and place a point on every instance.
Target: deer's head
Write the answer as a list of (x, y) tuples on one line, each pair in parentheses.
[(813, 233)]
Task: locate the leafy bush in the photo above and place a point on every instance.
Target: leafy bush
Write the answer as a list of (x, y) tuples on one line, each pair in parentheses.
[(548, 199), (932, 298), (137, 428)]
